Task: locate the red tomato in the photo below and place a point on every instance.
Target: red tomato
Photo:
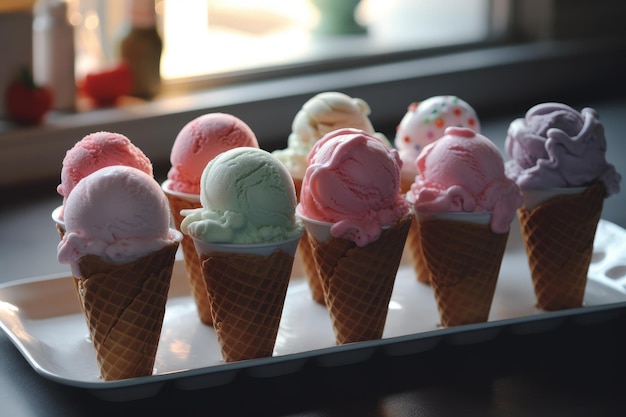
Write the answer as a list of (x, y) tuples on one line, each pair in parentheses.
[(106, 86), (27, 103)]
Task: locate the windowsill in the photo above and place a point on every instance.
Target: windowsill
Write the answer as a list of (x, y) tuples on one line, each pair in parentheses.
[(491, 79)]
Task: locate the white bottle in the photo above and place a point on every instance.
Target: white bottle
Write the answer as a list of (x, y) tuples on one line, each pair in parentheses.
[(54, 52)]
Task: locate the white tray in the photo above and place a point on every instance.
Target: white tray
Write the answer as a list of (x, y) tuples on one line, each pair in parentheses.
[(42, 318)]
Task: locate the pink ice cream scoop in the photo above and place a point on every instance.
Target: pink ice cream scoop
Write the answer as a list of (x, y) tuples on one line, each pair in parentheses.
[(119, 213), (201, 140), (556, 146), (353, 181), (464, 172), (95, 151)]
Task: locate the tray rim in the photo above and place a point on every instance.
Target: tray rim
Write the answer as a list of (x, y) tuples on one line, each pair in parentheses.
[(380, 343)]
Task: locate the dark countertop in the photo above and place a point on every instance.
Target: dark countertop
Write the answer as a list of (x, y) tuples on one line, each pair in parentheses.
[(576, 369)]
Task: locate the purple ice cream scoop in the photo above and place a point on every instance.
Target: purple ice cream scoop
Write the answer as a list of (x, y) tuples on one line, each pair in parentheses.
[(554, 146)]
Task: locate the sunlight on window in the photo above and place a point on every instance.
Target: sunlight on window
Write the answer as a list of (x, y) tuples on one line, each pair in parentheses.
[(217, 36), (203, 37)]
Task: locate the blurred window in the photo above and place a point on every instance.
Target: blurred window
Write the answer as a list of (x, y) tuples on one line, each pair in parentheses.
[(213, 38)]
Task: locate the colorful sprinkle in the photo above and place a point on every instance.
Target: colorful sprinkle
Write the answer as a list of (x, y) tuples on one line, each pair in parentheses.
[(406, 139), (471, 121), (457, 111), (439, 123)]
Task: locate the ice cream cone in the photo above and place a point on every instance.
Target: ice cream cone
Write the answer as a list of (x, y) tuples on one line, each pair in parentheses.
[(297, 182), (178, 202), (463, 258), (58, 222), (558, 236), (305, 255), (406, 179), (124, 306), (247, 286), (310, 269), (60, 226), (358, 281), (414, 246), (413, 242)]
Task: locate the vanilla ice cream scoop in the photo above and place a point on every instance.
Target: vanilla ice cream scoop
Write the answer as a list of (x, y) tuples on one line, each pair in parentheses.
[(119, 213), (320, 115), (247, 196)]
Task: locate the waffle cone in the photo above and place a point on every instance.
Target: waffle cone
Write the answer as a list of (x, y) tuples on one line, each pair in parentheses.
[(464, 262), (405, 183), (358, 281), (60, 230), (247, 294), (192, 263), (559, 235), (414, 247), (306, 258), (124, 305), (310, 269), (297, 183)]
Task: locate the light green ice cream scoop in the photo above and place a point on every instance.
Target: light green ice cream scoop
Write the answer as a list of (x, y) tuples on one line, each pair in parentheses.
[(247, 196)]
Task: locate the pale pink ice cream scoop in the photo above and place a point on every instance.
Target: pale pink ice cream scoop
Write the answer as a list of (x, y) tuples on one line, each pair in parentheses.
[(353, 181), (554, 146), (119, 213), (201, 140), (464, 172), (95, 151)]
